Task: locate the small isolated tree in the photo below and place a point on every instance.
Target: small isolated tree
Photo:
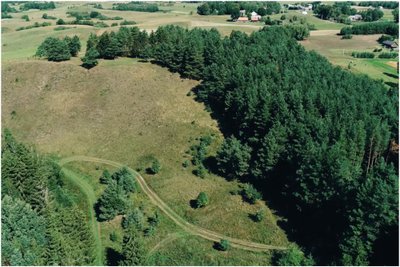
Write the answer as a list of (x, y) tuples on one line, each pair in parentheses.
[(105, 178), (60, 22), (250, 194), (90, 59), (155, 167), (223, 245), (259, 216), (202, 200)]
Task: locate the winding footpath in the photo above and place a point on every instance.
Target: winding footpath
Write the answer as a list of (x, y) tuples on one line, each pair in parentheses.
[(186, 226)]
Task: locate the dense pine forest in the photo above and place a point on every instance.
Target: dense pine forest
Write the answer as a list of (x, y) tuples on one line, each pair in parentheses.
[(41, 221)]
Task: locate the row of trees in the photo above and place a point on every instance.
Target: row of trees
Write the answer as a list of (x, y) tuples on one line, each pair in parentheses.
[(384, 27), (136, 6), (54, 49), (384, 4), (41, 223), (317, 135), (37, 5)]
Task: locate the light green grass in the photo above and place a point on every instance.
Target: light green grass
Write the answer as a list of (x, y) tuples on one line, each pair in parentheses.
[(90, 197)]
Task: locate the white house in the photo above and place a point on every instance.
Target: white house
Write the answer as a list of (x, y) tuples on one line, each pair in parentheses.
[(255, 16), (355, 17)]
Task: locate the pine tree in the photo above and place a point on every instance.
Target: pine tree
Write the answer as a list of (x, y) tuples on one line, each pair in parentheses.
[(132, 249), (90, 59)]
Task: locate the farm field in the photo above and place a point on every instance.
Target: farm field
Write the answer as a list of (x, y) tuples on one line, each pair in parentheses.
[(136, 110)]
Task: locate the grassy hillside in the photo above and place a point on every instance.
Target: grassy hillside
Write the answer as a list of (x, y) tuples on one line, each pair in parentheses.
[(128, 112)]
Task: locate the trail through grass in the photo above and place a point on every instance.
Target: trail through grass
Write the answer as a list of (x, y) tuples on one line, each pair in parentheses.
[(87, 190)]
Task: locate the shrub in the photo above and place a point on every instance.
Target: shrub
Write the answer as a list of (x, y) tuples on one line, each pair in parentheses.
[(388, 55), (186, 164), (201, 200), (25, 17), (61, 28), (127, 22), (155, 167), (114, 24), (250, 194), (60, 22), (347, 36), (385, 38), (223, 245), (5, 15), (363, 54), (259, 216)]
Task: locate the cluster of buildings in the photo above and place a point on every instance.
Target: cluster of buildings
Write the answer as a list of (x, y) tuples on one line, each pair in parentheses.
[(254, 17)]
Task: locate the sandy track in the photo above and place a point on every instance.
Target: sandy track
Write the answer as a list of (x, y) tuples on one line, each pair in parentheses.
[(188, 227)]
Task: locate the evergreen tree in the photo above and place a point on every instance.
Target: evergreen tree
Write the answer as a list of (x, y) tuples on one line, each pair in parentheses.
[(132, 249), (233, 158), (74, 45), (23, 233), (111, 203), (90, 59), (54, 50), (202, 200)]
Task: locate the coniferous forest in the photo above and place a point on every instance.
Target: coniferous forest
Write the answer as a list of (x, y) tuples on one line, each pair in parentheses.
[(315, 139)]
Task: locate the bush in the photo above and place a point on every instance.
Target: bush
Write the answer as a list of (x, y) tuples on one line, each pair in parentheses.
[(25, 17), (388, 55), (201, 200), (385, 38), (363, 54), (61, 28), (200, 171), (127, 22), (250, 194), (114, 24), (155, 167), (347, 36), (45, 16), (186, 164), (60, 22), (223, 245), (259, 216), (5, 15)]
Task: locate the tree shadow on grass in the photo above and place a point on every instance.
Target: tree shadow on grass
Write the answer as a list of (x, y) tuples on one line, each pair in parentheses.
[(394, 76), (392, 84), (113, 257), (193, 203)]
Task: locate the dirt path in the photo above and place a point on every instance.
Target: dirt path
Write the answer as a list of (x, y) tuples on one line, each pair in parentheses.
[(188, 227), (87, 190), (169, 238)]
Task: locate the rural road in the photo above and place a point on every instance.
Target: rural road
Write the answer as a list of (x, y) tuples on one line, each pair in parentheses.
[(188, 227)]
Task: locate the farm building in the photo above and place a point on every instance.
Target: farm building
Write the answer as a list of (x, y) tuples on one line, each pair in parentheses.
[(242, 13), (242, 19), (255, 16), (390, 44), (355, 17)]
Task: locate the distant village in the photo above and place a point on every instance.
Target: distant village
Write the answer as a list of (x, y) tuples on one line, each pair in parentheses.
[(255, 17)]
